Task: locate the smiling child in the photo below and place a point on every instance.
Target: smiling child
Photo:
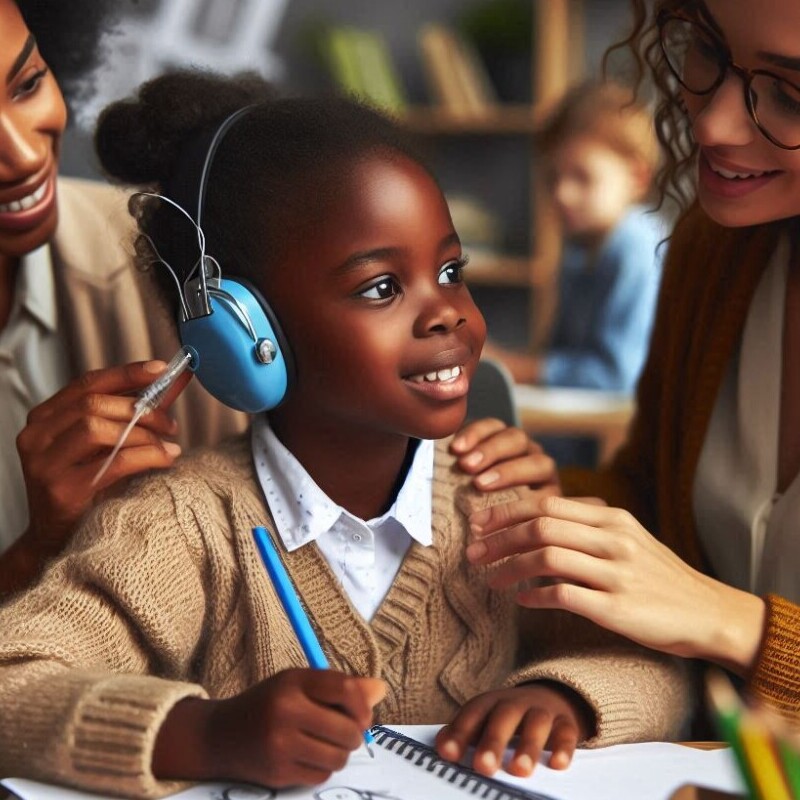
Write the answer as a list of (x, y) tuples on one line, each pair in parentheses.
[(156, 648)]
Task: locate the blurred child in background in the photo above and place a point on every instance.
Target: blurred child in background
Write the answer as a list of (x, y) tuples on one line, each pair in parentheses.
[(600, 152)]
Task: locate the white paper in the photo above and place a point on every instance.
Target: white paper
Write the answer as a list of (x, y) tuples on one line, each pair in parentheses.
[(648, 771)]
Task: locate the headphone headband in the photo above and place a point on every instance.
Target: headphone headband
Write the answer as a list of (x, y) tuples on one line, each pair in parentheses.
[(216, 141)]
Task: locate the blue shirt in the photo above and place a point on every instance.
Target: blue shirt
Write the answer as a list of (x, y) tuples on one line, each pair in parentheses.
[(606, 306)]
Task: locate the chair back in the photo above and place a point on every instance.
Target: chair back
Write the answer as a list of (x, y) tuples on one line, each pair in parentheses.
[(491, 393)]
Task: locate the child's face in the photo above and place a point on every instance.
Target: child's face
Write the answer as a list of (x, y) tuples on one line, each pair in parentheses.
[(372, 300), (592, 186), (744, 179), (32, 119)]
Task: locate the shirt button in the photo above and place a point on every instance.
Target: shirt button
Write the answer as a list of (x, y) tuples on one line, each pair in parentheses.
[(356, 537)]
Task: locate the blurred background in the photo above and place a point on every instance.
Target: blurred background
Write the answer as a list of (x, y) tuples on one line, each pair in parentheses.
[(471, 77)]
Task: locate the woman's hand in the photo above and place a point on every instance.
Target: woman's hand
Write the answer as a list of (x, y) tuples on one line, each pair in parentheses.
[(501, 457), (599, 562), (68, 437), (293, 729), (540, 716)]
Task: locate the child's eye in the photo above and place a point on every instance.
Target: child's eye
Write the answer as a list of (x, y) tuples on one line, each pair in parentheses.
[(31, 84), (452, 271), (381, 289)]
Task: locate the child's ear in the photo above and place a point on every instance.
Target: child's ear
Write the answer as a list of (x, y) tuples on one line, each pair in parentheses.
[(641, 178)]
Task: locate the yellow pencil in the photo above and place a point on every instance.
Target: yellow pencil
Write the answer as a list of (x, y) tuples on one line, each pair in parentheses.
[(763, 759)]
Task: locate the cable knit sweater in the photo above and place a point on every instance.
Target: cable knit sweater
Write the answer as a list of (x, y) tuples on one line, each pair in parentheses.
[(710, 276), (162, 596)]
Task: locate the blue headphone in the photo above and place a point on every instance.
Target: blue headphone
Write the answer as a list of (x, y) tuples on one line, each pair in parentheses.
[(239, 353)]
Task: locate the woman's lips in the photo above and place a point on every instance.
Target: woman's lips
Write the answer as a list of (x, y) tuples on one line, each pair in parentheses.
[(731, 183), (30, 210)]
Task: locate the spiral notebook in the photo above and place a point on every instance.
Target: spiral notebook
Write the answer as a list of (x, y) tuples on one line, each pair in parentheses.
[(407, 768), (403, 769)]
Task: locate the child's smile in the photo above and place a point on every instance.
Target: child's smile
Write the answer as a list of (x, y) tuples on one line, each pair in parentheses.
[(445, 384)]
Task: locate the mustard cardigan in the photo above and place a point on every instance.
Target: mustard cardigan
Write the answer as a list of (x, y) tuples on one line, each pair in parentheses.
[(710, 276)]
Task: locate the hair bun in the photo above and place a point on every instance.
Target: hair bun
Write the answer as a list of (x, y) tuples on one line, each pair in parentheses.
[(138, 139)]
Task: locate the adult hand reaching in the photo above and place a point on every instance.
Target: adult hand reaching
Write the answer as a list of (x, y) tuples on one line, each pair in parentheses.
[(599, 562), (62, 447)]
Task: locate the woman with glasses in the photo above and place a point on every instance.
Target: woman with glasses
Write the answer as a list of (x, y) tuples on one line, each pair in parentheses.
[(697, 552)]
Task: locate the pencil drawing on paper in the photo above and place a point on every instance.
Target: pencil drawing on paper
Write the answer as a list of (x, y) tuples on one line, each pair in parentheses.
[(241, 792), (349, 793)]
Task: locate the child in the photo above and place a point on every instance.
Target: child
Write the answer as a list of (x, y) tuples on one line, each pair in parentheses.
[(600, 153), (156, 648), (712, 459)]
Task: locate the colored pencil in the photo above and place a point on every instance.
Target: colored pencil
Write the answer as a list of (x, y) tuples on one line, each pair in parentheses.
[(294, 610)]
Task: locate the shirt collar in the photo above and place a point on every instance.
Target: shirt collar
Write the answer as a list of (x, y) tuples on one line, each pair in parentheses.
[(303, 512), (36, 287)]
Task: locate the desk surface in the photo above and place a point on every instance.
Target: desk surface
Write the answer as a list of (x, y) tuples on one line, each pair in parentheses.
[(575, 412)]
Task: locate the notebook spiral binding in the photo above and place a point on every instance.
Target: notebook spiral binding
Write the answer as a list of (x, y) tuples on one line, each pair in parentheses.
[(458, 775)]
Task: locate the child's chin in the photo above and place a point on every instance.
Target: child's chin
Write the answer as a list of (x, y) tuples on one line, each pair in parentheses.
[(443, 425)]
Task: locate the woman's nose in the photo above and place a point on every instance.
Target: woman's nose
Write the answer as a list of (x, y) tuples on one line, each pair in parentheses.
[(724, 118), (19, 154)]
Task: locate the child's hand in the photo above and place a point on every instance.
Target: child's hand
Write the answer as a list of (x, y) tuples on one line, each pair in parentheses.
[(295, 728), (501, 457), (542, 717)]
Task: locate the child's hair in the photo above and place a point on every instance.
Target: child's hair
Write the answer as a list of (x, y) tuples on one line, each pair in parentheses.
[(68, 35), (671, 121), (606, 112), (273, 176)]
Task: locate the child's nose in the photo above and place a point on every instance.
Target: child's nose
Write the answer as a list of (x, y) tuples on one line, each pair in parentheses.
[(439, 316), (724, 118)]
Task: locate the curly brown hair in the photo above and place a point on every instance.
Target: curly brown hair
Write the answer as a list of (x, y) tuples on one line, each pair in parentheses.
[(671, 122)]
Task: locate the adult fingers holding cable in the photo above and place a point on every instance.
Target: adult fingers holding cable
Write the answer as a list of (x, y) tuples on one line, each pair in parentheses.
[(69, 435)]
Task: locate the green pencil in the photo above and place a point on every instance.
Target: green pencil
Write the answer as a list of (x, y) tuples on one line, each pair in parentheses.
[(727, 713)]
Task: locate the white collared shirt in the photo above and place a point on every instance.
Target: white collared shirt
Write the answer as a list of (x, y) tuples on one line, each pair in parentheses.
[(33, 367), (748, 529), (364, 556)]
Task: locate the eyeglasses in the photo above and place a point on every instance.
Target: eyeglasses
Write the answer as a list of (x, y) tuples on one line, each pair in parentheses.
[(700, 61)]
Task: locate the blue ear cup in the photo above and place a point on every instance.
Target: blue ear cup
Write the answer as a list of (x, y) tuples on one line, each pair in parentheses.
[(238, 351)]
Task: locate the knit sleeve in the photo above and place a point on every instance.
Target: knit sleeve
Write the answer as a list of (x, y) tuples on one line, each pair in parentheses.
[(634, 693), (776, 675), (126, 599)]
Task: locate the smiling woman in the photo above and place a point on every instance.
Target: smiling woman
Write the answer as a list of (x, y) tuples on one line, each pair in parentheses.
[(712, 462), (69, 304)]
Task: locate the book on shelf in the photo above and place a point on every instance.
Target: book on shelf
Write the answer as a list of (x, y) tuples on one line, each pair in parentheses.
[(456, 76), (361, 65)]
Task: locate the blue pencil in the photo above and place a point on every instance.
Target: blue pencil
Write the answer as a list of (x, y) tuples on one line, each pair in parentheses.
[(291, 604)]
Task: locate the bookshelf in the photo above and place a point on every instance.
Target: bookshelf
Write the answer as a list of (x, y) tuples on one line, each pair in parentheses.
[(556, 61)]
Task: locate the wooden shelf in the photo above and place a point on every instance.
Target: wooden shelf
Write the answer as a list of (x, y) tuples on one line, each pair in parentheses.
[(490, 269), (512, 120)]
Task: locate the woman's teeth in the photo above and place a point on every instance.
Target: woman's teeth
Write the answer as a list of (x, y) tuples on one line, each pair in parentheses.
[(439, 375), (24, 203), (730, 174)]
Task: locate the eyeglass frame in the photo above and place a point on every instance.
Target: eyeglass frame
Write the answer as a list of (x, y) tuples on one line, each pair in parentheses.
[(747, 75)]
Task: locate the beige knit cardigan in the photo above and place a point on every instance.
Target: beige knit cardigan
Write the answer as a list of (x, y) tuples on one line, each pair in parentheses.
[(161, 596)]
